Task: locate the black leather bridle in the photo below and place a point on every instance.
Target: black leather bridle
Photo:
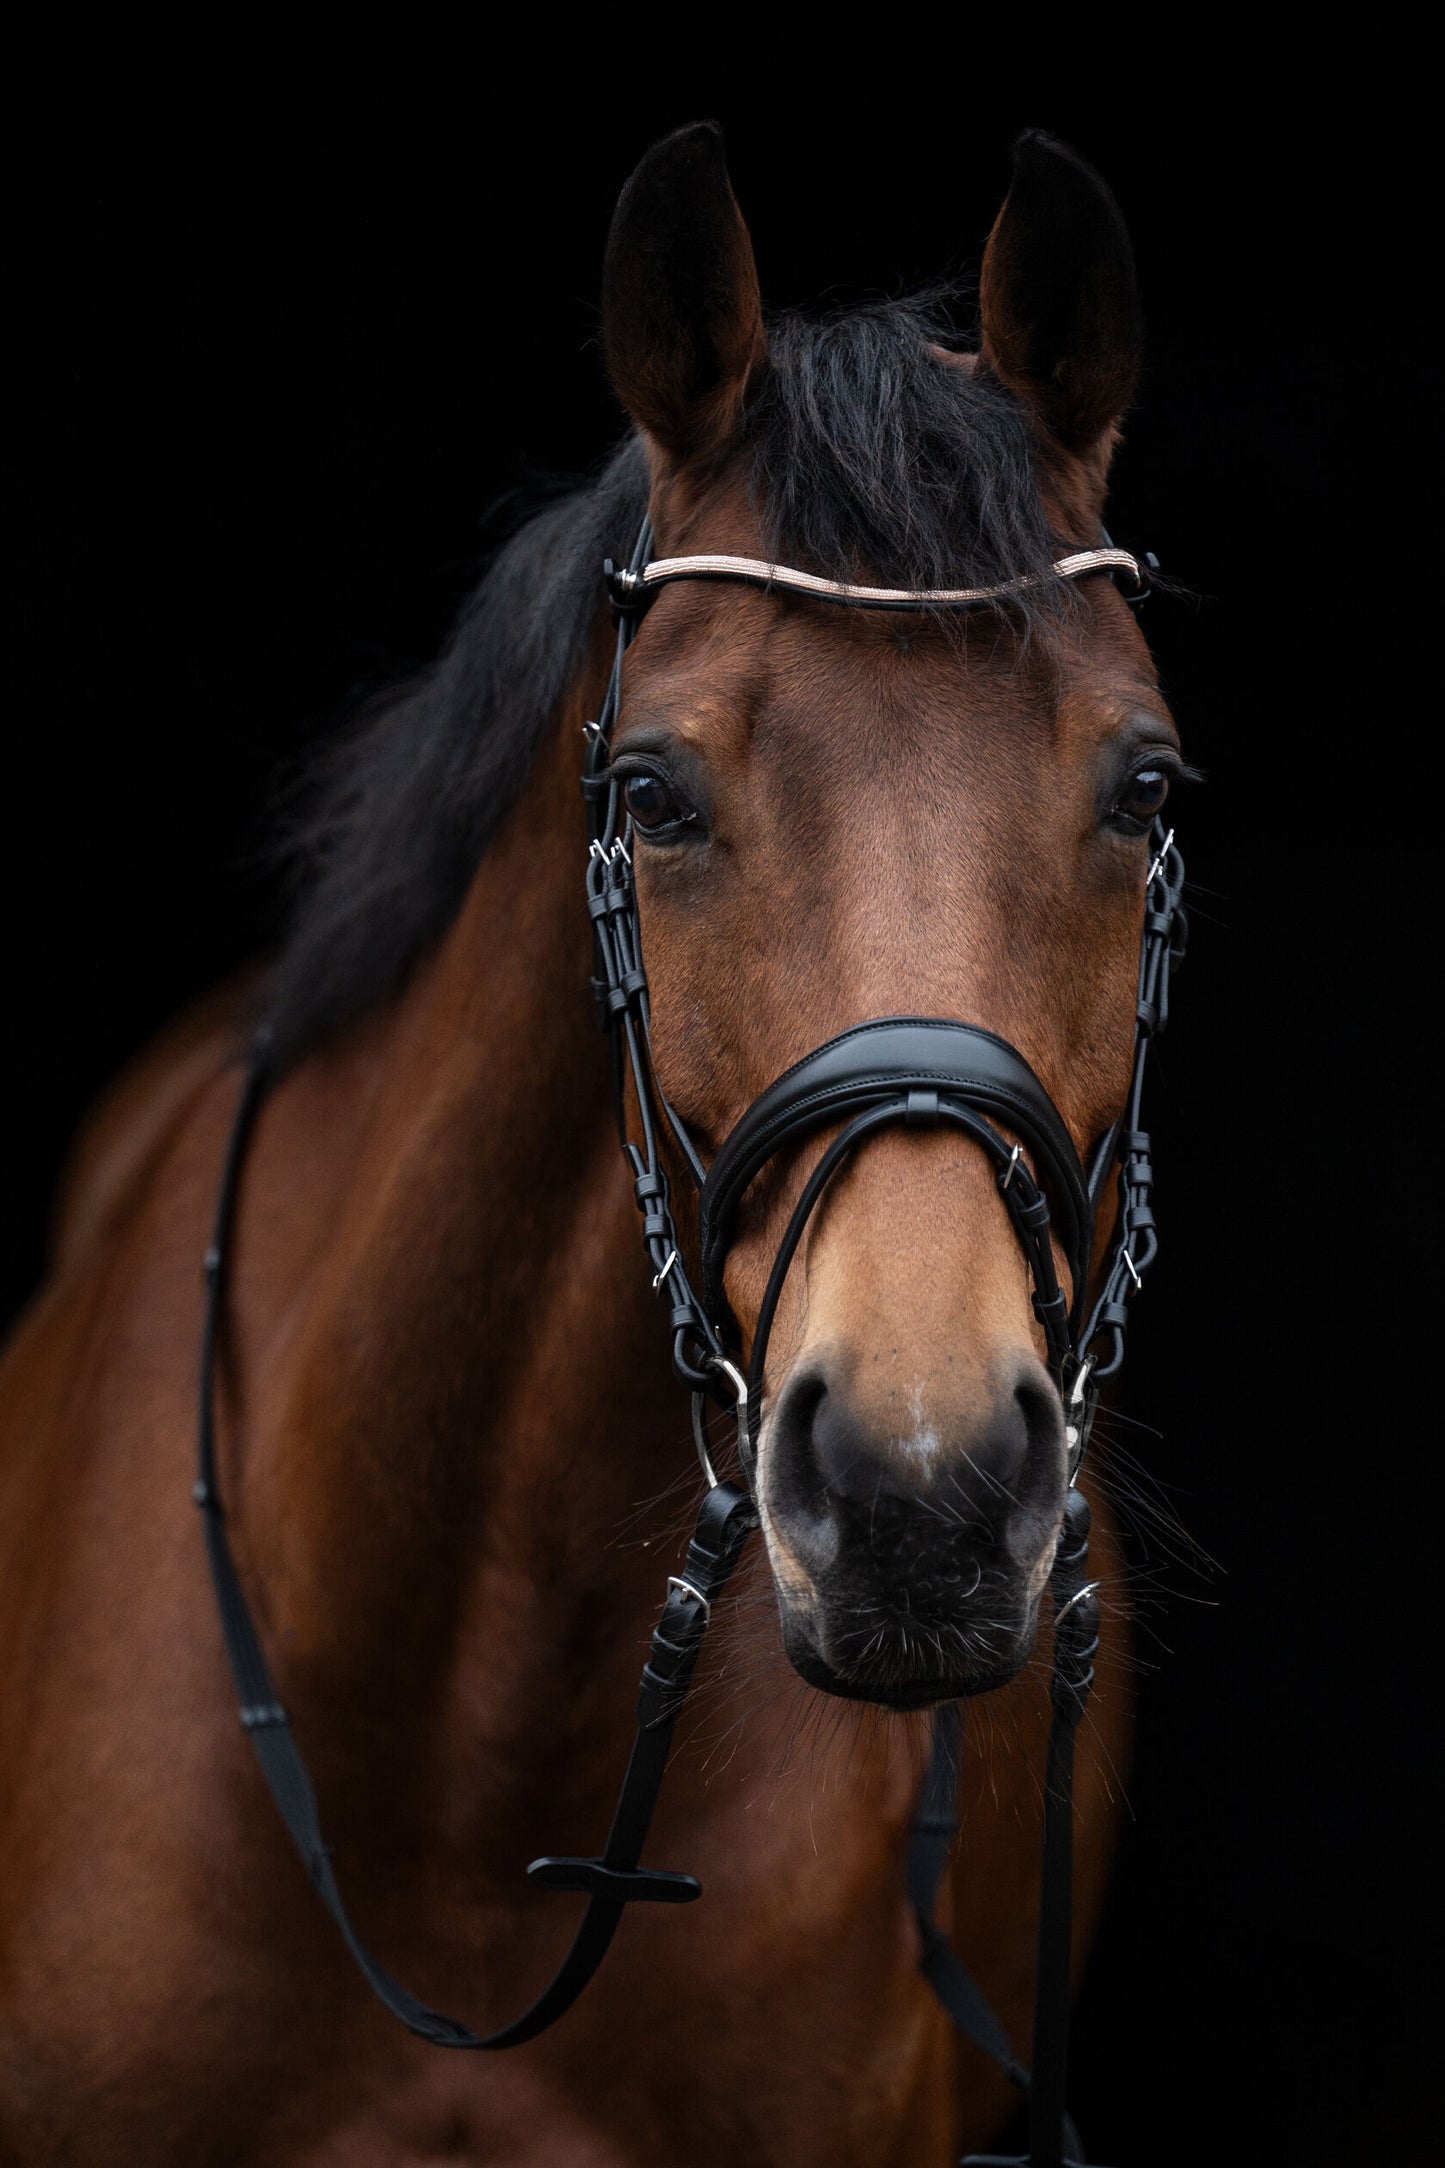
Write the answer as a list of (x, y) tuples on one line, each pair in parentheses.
[(914, 1071)]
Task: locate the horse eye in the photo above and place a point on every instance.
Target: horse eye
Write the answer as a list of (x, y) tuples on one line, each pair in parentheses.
[(1143, 796), (651, 803)]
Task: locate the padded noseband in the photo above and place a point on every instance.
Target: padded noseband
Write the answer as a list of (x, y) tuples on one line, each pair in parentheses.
[(886, 1064)]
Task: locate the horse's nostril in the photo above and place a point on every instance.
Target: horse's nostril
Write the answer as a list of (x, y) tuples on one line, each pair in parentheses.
[(846, 1458), (998, 1459), (797, 1487), (836, 1477)]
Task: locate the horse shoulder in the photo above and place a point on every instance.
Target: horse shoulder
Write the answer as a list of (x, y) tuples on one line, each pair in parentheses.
[(100, 1584)]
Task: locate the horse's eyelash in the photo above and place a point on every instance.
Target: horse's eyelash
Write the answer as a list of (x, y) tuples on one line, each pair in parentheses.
[(628, 765)]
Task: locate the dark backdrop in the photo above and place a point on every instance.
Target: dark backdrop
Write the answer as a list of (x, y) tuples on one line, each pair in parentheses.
[(294, 307)]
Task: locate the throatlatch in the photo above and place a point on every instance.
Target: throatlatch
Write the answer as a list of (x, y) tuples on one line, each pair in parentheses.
[(914, 1071)]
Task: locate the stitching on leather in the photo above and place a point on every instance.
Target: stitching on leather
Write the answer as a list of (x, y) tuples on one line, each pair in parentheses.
[(719, 1199), (735, 1180), (826, 1094)]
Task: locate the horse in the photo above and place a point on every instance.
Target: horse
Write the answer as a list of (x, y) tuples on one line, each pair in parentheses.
[(454, 1465)]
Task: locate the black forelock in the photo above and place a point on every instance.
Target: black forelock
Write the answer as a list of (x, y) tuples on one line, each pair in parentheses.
[(876, 457), (870, 456)]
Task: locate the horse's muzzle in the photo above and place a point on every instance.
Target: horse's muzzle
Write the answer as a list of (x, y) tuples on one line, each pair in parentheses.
[(914, 1562)]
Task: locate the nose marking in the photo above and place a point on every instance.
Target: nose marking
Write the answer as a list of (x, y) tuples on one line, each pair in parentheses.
[(923, 1443)]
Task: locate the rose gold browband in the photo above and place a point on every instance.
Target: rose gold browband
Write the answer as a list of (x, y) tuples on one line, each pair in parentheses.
[(636, 587)]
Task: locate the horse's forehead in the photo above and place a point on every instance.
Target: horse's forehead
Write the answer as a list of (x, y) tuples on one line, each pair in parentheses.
[(745, 675)]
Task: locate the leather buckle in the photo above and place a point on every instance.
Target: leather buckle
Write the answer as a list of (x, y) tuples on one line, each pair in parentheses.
[(618, 1885)]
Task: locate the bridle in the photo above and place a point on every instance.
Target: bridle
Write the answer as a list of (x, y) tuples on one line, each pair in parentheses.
[(917, 1072)]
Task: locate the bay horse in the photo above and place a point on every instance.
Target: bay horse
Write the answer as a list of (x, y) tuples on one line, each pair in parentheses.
[(454, 1464)]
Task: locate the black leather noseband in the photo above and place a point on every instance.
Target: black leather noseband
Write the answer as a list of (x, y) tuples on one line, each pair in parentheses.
[(899, 1063), (921, 1071)]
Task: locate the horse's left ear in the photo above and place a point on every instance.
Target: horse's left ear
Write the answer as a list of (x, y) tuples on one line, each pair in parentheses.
[(1059, 301), (682, 319)]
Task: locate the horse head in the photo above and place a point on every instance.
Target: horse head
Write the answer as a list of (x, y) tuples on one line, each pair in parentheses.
[(840, 815)]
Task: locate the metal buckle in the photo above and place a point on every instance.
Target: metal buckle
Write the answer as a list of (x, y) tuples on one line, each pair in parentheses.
[(1160, 859), (627, 591), (675, 1580)]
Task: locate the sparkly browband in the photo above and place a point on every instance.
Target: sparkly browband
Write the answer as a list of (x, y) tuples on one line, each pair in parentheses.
[(636, 588)]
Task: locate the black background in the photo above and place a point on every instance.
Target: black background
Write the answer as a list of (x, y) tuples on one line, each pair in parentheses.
[(294, 305)]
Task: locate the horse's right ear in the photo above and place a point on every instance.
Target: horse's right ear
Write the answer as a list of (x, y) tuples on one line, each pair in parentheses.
[(1060, 306), (682, 319)]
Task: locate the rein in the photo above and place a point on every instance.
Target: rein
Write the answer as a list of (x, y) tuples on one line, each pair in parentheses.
[(917, 1071)]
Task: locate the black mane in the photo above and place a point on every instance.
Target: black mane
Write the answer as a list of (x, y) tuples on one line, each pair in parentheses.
[(870, 456)]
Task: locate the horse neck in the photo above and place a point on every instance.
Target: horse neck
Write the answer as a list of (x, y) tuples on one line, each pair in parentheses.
[(451, 1383)]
